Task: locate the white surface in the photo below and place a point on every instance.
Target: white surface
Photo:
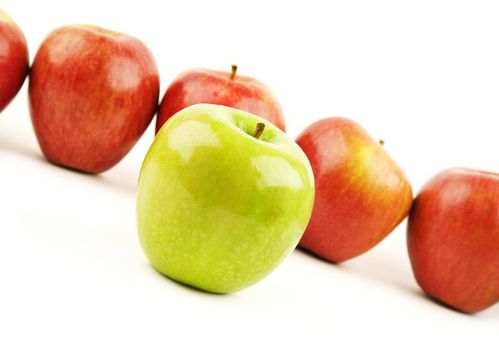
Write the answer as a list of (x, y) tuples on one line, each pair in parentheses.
[(424, 77)]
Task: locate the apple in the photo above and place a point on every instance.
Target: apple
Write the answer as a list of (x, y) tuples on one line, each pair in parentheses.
[(362, 195), (92, 94), (221, 88), (14, 61), (223, 197), (453, 238)]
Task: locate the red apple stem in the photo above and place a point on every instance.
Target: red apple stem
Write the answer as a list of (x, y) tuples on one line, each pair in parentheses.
[(233, 72), (259, 130), (381, 142)]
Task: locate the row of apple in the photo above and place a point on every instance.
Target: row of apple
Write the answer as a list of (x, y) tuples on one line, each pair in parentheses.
[(224, 196)]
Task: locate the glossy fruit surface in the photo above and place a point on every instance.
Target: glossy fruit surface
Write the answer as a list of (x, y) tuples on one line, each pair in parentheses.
[(92, 94), (361, 193), (217, 207), (14, 61), (453, 238), (222, 88)]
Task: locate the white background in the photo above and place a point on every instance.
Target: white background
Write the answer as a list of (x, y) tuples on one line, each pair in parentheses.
[(424, 76)]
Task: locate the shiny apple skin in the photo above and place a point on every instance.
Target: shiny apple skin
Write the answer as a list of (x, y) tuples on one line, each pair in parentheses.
[(361, 193), (217, 208), (14, 61), (453, 239), (92, 94), (209, 86)]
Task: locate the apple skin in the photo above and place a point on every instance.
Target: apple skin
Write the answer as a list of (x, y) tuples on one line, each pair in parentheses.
[(218, 209), (453, 239), (222, 88), (92, 94), (361, 193), (14, 59)]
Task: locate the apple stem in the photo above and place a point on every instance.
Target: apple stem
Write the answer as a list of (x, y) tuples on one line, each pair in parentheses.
[(259, 130), (233, 72), (381, 142)]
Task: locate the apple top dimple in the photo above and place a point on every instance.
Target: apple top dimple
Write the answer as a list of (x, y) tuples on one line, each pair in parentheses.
[(80, 44), (189, 122), (241, 80), (66, 41), (213, 135), (238, 119)]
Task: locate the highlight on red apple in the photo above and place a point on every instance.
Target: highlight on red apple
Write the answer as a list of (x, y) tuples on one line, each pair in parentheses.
[(14, 59), (222, 88), (361, 193), (92, 94), (453, 238)]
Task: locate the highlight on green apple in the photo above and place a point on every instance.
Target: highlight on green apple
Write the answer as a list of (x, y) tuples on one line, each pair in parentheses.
[(223, 197)]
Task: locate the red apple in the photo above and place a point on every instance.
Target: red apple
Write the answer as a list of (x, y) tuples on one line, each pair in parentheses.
[(14, 62), (222, 88), (453, 238), (361, 193), (92, 94)]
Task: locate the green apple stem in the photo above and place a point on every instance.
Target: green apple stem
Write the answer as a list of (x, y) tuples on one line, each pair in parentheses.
[(259, 130), (233, 72)]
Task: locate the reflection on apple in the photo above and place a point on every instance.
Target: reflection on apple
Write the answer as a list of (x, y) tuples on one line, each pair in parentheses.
[(222, 88), (92, 94), (453, 238), (223, 197), (13, 59), (362, 194)]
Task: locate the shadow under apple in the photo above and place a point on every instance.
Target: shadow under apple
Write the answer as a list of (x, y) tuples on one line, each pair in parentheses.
[(385, 270), (188, 287), (376, 268), (121, 177)]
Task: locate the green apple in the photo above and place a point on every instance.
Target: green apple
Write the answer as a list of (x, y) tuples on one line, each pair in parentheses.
[(223, 197)]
